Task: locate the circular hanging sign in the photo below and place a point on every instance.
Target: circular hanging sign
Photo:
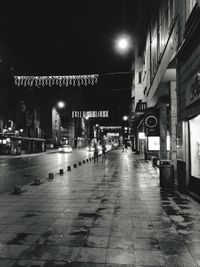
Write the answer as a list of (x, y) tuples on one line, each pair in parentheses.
[(151, 121)]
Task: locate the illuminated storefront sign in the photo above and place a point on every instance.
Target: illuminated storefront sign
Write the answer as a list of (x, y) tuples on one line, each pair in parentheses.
[(90, 114), (193, 90), (154, 143), (141, 135)]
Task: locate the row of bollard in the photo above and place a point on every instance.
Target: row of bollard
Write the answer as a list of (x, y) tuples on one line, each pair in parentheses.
[(18, 189), (61, 171)]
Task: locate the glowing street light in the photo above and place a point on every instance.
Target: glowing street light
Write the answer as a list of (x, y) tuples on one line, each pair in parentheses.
[(61, 104), (123, 44), (125, 118)]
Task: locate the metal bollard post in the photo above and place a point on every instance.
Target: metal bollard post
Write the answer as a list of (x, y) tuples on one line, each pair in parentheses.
[(61, 172), (69, 168), (51, 176)]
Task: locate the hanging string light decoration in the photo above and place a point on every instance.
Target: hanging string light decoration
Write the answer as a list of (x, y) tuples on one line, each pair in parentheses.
[(73, 80)]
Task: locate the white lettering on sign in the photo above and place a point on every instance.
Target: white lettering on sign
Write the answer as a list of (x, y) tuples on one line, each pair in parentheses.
[(90, 114)]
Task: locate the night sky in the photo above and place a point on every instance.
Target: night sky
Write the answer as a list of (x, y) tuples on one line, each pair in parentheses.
[(77, 37)]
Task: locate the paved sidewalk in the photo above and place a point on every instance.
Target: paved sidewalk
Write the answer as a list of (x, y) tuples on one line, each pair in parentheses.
[(110, 213)]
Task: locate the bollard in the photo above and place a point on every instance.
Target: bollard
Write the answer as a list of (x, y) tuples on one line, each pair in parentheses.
[(51, 176), (79, 163), (83, 161), (17, 190), (90, 159), (37, 181), (87, 160), (75, 166), (61, 172), (69, 168)]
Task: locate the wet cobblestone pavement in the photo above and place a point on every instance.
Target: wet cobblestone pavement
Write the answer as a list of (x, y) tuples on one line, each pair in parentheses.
[(105, 214)]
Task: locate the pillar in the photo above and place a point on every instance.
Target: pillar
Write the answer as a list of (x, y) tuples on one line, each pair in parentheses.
[(163, 130)]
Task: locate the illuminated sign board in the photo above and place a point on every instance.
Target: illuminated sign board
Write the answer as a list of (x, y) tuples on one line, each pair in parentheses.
[(90, 114)]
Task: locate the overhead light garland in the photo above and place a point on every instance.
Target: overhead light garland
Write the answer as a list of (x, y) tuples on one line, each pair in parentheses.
[(72, 80)]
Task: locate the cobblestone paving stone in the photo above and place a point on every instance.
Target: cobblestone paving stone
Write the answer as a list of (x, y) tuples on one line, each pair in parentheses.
[(105, 214)]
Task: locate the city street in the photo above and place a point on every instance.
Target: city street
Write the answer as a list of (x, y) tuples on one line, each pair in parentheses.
[(111, 213), (21, 170)]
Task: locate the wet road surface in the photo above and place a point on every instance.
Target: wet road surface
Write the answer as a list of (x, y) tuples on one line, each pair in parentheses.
[(21, 170), (110, 213)]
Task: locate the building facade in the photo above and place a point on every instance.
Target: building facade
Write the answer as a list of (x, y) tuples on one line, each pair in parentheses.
[(171, 90), (188, 97)]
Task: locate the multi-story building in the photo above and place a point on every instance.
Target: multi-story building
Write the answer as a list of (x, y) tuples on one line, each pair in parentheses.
[(157, 73), (171, 89), (20, 129), (188, 96)]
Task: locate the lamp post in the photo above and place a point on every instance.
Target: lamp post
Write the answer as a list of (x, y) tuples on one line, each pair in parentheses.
[(56, 125)]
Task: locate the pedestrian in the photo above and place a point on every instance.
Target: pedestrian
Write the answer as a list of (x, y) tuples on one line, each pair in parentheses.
[(96, 152), (123, 147), (103, 151)]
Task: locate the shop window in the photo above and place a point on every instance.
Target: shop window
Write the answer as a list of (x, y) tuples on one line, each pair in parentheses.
[(195, 146)]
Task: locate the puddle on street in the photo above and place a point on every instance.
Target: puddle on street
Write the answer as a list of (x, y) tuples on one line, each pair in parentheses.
[(18, 238)]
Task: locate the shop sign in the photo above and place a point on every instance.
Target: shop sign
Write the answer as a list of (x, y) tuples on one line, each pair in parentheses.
[(193, 90), (90, 114)]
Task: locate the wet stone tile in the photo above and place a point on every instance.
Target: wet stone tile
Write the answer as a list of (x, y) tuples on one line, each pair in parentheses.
[(23, 239), (145, 257), (120, 256), (96, 242), (180, 260), (16, 228), (95, 231), (77, 231), (27, 263), (146, 244), (88, 264), (7, 263), (93, 255), (148, 233), (58, 253), (167, 233), (189, 235), (172, 246), (12, 251), (121, 242), (61, 240)]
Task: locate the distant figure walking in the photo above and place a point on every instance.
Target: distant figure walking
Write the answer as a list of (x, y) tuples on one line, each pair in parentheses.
[(103, 151), (96, 152)]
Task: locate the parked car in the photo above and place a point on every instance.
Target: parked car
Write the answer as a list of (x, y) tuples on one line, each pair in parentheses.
[(65, 149)]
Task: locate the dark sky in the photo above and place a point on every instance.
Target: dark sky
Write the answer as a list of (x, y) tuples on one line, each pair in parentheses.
[(76, 37)]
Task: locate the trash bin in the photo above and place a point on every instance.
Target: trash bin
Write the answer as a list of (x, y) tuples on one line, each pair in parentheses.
[(166, 174)]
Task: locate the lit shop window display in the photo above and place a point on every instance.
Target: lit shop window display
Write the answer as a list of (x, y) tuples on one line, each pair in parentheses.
[(195, 146), (154, 143)]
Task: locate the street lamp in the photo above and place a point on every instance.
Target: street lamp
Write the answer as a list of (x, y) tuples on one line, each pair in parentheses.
[(123, 44), (125, 118), (61, 104)]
